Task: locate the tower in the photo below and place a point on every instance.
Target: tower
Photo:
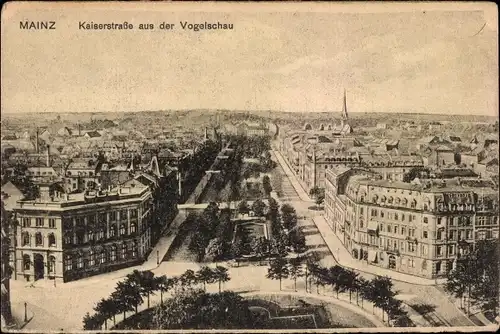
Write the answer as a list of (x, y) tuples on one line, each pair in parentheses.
[(345, 117)]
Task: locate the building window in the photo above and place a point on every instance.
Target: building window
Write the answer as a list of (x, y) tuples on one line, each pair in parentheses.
[(68, 264), (402, 217), (52, 264), (68, 240), (411, 247), (133, 228), (26, 222), (361, 211), (39, 222), (374, 213), (90, 235), (101, 233), (52, 223), (481, 220), (389, 228), (382, 214), (468, 234), (426, 220), (26, 239), (112, 216), (133, 213), (112, 231), (438, 267), (413, 204), (113, 253), (102, 257), (26, 262), (409, 218), (123, 229), (395, 216), (134, 249), (52, 240), (439, 251), (381, 227), (124, 251), (439, 220), (80, 236), (451, 250), (91, 258), (438, 235), (38, 239), (403, 230), (425, 235), (79, 262)]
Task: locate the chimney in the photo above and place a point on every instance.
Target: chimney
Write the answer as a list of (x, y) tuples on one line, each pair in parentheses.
[(48, 155)]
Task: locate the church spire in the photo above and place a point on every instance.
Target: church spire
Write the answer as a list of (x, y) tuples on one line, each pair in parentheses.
[(344, 108)]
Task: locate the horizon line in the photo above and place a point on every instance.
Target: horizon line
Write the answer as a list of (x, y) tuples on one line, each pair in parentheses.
[(241, 110)]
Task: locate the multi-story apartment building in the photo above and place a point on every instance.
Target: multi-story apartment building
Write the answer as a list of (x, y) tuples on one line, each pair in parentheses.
[(415, 228), (81, 174), (5, 269), (311, 161), (70, 236)]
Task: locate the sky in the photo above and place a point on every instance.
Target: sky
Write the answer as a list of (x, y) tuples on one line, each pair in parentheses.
[(291, 57)]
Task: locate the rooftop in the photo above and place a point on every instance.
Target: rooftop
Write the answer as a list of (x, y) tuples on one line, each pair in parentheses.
[(131, 189), (435, 185)]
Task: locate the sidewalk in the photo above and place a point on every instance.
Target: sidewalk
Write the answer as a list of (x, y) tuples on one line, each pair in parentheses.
[(304, 196), (345, 259), (163, 245), (475, 311)]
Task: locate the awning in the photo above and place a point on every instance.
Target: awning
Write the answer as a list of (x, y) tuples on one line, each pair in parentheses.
[(372, 255)]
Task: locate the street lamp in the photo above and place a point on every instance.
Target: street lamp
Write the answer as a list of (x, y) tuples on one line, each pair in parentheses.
[(25, 312)]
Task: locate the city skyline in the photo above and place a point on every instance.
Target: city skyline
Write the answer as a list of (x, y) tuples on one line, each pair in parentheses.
[(387, 62)]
